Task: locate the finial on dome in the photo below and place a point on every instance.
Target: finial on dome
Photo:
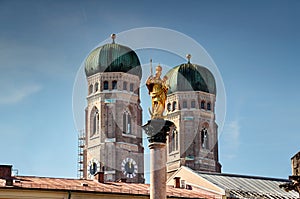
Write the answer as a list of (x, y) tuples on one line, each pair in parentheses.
[(188, 56), (113, 36)]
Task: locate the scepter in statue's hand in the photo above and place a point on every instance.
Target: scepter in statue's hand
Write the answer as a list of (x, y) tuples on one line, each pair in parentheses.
[(151, 72), (150, 78)]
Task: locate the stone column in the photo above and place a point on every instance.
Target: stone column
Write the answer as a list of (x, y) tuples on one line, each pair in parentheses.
[(157, 131), (158, 171)]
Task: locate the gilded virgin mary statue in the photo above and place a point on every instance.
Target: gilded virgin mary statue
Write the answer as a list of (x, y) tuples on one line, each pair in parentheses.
[(158, 91)]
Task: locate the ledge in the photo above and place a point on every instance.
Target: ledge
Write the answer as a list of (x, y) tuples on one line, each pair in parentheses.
[(128, 135)]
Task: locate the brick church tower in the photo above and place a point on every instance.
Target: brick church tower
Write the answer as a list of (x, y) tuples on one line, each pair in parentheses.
[(113, 137), (191, 106)]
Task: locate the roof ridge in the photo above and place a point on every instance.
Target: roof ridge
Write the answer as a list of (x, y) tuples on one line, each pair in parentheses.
[(243, 176)]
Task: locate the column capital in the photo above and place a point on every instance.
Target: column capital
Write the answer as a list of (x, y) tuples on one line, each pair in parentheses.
[(157, 130)]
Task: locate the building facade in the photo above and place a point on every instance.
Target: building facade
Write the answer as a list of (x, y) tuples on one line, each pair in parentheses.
[(34, 187), (113, 134), (229, 186)]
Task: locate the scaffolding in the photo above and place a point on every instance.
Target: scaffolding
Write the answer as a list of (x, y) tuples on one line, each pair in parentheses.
[(81, 145)]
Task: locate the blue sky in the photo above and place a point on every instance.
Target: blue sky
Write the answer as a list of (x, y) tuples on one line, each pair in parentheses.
[(255, 45)]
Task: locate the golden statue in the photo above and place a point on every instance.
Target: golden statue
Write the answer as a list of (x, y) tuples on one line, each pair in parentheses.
[(158, 91)]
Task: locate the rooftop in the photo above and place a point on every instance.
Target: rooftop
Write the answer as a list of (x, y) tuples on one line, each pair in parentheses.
[(243, 186), (79, 185)]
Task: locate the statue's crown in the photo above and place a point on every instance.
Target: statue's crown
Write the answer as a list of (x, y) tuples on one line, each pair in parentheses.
[(159, 68)]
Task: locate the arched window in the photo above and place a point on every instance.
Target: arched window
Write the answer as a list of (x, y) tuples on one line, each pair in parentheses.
[(105, 85), (126, 123), (204, 138), (94, 121), (174, 106), (202, 104), (110, 122), (184, 104), (169, 107), (193, 104), (124, 86), (96, 87), (114, 85), (131, 87), (208, 106), (173, 141), (91, 89)]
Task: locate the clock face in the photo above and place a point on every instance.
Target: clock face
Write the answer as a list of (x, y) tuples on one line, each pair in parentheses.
[(129, 168), (93, 167)]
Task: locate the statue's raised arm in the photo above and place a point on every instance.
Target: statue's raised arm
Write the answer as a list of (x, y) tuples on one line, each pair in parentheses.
[(158, 91)]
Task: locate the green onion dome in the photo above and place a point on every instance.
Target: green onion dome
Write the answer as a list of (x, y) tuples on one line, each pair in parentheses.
[(191, 77), (113, 58)]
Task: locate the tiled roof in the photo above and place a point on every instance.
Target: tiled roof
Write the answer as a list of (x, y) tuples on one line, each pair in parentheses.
[(241, 186), (45, 183)]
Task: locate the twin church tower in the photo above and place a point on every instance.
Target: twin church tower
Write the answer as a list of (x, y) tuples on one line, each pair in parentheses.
[(113, 116)]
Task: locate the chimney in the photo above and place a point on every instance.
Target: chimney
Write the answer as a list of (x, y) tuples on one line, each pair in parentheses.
[(177, 182), (99, 176), (5, 173)]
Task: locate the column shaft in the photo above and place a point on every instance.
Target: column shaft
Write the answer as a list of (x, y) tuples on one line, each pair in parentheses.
[(158, 171)]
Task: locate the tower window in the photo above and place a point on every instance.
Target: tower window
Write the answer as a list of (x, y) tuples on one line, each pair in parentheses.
[(90, 89), (202, 104), (105, 85), (184, 104), (110, 122), (169, 106), (96, 87), (114, 85), (124, 86), (193, 104), (126, 123), (208, 106), (94, 121), (131, 87), (204, 138), (173, 141), (174, 106)]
